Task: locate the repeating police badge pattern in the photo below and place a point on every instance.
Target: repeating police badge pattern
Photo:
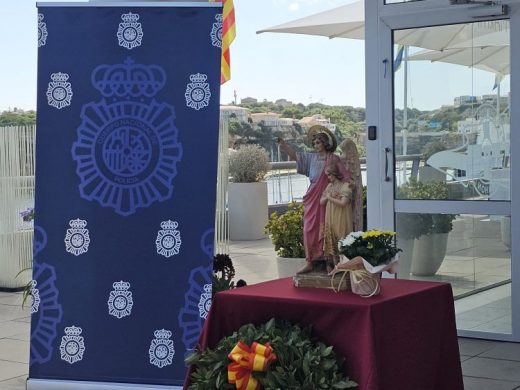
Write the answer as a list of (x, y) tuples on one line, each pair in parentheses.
[(168, 241), (126, 156), (59, 91), (72, 345), (161, 349), (120, 301), (130, 32), (77, 238)]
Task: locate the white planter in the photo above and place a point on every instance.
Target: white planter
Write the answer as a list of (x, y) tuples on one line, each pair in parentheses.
[(15, 255), (428, 174), (288, 267), (405, 257), (428, 253), (247, 203)]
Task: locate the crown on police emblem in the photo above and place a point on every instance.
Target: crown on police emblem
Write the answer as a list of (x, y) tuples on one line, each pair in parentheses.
[(218, 17), (198, 78), (162, 334), (77, 223), (128, 79), (121, 286), (59, 77), (207, 288), (73, 331), (40, 17), (130, 17), (169, 225)]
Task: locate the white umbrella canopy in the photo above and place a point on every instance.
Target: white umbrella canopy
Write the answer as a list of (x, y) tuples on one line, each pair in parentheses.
[(490, 58), (348, 21)]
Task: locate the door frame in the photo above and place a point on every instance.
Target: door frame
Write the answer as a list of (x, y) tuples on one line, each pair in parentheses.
[(380, 20)]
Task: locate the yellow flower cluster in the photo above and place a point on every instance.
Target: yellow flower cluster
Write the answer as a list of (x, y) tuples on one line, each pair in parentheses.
[(377, 233)]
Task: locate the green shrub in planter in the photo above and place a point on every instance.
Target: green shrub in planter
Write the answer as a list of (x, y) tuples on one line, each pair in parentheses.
[(302, 363), (286, 231), (414, 225), (249, 164)]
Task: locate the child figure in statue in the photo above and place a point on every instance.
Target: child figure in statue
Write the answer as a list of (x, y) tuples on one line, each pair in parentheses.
[(350, 157), (313, 166), (338, 214)]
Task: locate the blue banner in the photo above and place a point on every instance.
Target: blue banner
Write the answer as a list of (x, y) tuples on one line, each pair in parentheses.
[(126, 166)]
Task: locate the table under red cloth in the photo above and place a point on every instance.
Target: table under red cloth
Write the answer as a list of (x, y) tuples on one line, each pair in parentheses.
[(405, 338)]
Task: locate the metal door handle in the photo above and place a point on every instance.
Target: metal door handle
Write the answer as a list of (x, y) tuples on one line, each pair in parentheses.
[(387, 151)]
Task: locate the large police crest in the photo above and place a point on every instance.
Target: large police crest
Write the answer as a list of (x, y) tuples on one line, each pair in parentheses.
[(72, 345), (77, 238), (216, 31), (120, 301), (130, 32), (42, 31), (197, 92), (59, 91), (168, 241), (127, 150), (161, 349)]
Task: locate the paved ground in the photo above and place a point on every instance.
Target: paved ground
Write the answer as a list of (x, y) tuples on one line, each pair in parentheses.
[(487, 365)]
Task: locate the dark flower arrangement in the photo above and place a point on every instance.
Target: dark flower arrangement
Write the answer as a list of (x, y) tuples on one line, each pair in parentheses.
[(223, 274), (28, 214)]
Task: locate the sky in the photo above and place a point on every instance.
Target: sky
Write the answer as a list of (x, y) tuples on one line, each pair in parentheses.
[(302, 69)]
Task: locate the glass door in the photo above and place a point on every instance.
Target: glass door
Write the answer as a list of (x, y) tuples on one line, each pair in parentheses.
[(444, 147)]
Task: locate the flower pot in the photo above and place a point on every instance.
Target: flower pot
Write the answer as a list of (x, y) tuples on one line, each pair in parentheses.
[(288, 266), (428, 253), (429, 174), (15, 255), (247, 203), (405, 257)]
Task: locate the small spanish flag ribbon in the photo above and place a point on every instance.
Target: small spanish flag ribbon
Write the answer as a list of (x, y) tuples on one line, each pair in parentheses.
[(228, 35), (245, 361)]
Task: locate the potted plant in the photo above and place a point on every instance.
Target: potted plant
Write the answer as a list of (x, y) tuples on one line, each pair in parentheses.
[(429, 231), (410, 226), (430, 249), (427, 173), (286, 232), (247, 196)]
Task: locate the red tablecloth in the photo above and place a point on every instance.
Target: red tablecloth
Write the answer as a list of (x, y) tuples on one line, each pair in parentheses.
[(403, 339)]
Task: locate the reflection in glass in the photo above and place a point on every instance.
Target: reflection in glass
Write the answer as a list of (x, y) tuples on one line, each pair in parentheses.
[(451, 115), (472, 252)]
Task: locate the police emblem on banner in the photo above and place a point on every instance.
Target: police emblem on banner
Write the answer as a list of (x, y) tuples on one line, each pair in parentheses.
[(130, 32), (197, 92), (72, 345), (168, 240), (120, 301), (35, 297), (46, 311), (161, 349), (42, 31), (77, 238), (59, 91), (205, 301), (216, 31), (126, 149)]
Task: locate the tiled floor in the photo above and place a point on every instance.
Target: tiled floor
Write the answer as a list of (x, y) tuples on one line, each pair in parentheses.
[(486, 365)]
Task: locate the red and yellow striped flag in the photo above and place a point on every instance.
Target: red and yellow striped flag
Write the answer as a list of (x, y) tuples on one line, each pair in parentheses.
[(228, 35)]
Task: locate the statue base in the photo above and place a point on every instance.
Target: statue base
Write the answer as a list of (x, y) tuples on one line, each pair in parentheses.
[(321, 280)]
